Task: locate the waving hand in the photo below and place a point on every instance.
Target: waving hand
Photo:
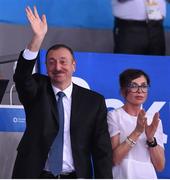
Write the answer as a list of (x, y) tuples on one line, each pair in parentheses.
[(39, 28)]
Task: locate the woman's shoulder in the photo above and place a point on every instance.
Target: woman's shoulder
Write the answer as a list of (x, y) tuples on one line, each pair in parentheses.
[(115, 114), (116, 111)]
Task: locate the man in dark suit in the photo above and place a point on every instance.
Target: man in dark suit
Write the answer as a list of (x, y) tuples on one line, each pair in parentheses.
[(86, 147)]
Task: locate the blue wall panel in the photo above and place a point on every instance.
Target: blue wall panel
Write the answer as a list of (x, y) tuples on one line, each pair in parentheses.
[(65, 13), (61, 13)]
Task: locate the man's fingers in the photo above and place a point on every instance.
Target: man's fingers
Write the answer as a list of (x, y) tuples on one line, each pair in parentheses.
[(30, 14), (36, 13), (29, 11), (44, 19)]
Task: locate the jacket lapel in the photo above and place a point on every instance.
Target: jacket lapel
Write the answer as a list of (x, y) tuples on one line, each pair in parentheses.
[(75, 105), (52, 100)]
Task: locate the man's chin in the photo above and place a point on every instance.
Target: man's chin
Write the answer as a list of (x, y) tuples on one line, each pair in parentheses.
[(58, 79)]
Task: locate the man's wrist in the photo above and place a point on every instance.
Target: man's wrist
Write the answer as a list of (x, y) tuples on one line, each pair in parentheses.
[(36, 42), (29, 55)]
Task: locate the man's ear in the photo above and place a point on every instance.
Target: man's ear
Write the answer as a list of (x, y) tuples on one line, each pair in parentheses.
[(74, 66)]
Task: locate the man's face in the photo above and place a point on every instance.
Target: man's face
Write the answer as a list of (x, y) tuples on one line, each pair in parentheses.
[(60, 67)]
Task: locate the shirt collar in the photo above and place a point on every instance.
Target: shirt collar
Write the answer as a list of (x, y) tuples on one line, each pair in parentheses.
[(67, 91)]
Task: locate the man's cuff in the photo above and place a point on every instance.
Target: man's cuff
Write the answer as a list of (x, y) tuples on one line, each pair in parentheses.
[(29, 55)]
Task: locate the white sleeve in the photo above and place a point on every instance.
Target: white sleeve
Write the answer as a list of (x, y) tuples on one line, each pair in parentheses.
[(29, 55), (113, 123)]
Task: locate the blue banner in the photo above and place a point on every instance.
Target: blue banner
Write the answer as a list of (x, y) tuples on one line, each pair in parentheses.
[(65, 13), (61, 13), (12, 118)]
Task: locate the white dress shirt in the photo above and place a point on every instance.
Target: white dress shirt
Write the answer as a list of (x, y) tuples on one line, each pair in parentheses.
[(68, 165)]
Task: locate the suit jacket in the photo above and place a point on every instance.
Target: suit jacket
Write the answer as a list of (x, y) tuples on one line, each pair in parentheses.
[(90, 141)]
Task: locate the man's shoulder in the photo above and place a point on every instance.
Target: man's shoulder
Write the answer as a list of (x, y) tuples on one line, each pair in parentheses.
[(87, 92), (40, 78)]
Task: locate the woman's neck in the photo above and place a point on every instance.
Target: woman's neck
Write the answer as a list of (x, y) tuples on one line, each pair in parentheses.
[(132, 109)]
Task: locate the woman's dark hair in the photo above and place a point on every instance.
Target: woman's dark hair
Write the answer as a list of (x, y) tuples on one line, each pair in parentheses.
[(127, 76), (58, 46)]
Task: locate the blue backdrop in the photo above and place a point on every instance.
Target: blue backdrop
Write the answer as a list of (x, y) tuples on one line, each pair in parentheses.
[(65, 13)]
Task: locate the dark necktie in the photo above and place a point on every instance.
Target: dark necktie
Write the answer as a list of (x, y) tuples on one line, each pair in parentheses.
[(56, 153)]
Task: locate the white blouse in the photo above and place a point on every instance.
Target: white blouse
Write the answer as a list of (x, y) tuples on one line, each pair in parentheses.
[(137, 163)]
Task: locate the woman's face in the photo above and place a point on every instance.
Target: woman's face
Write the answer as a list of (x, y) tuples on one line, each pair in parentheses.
[(137, 91)]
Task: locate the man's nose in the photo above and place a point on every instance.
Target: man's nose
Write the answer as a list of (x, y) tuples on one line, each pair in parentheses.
[(57, 66)]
